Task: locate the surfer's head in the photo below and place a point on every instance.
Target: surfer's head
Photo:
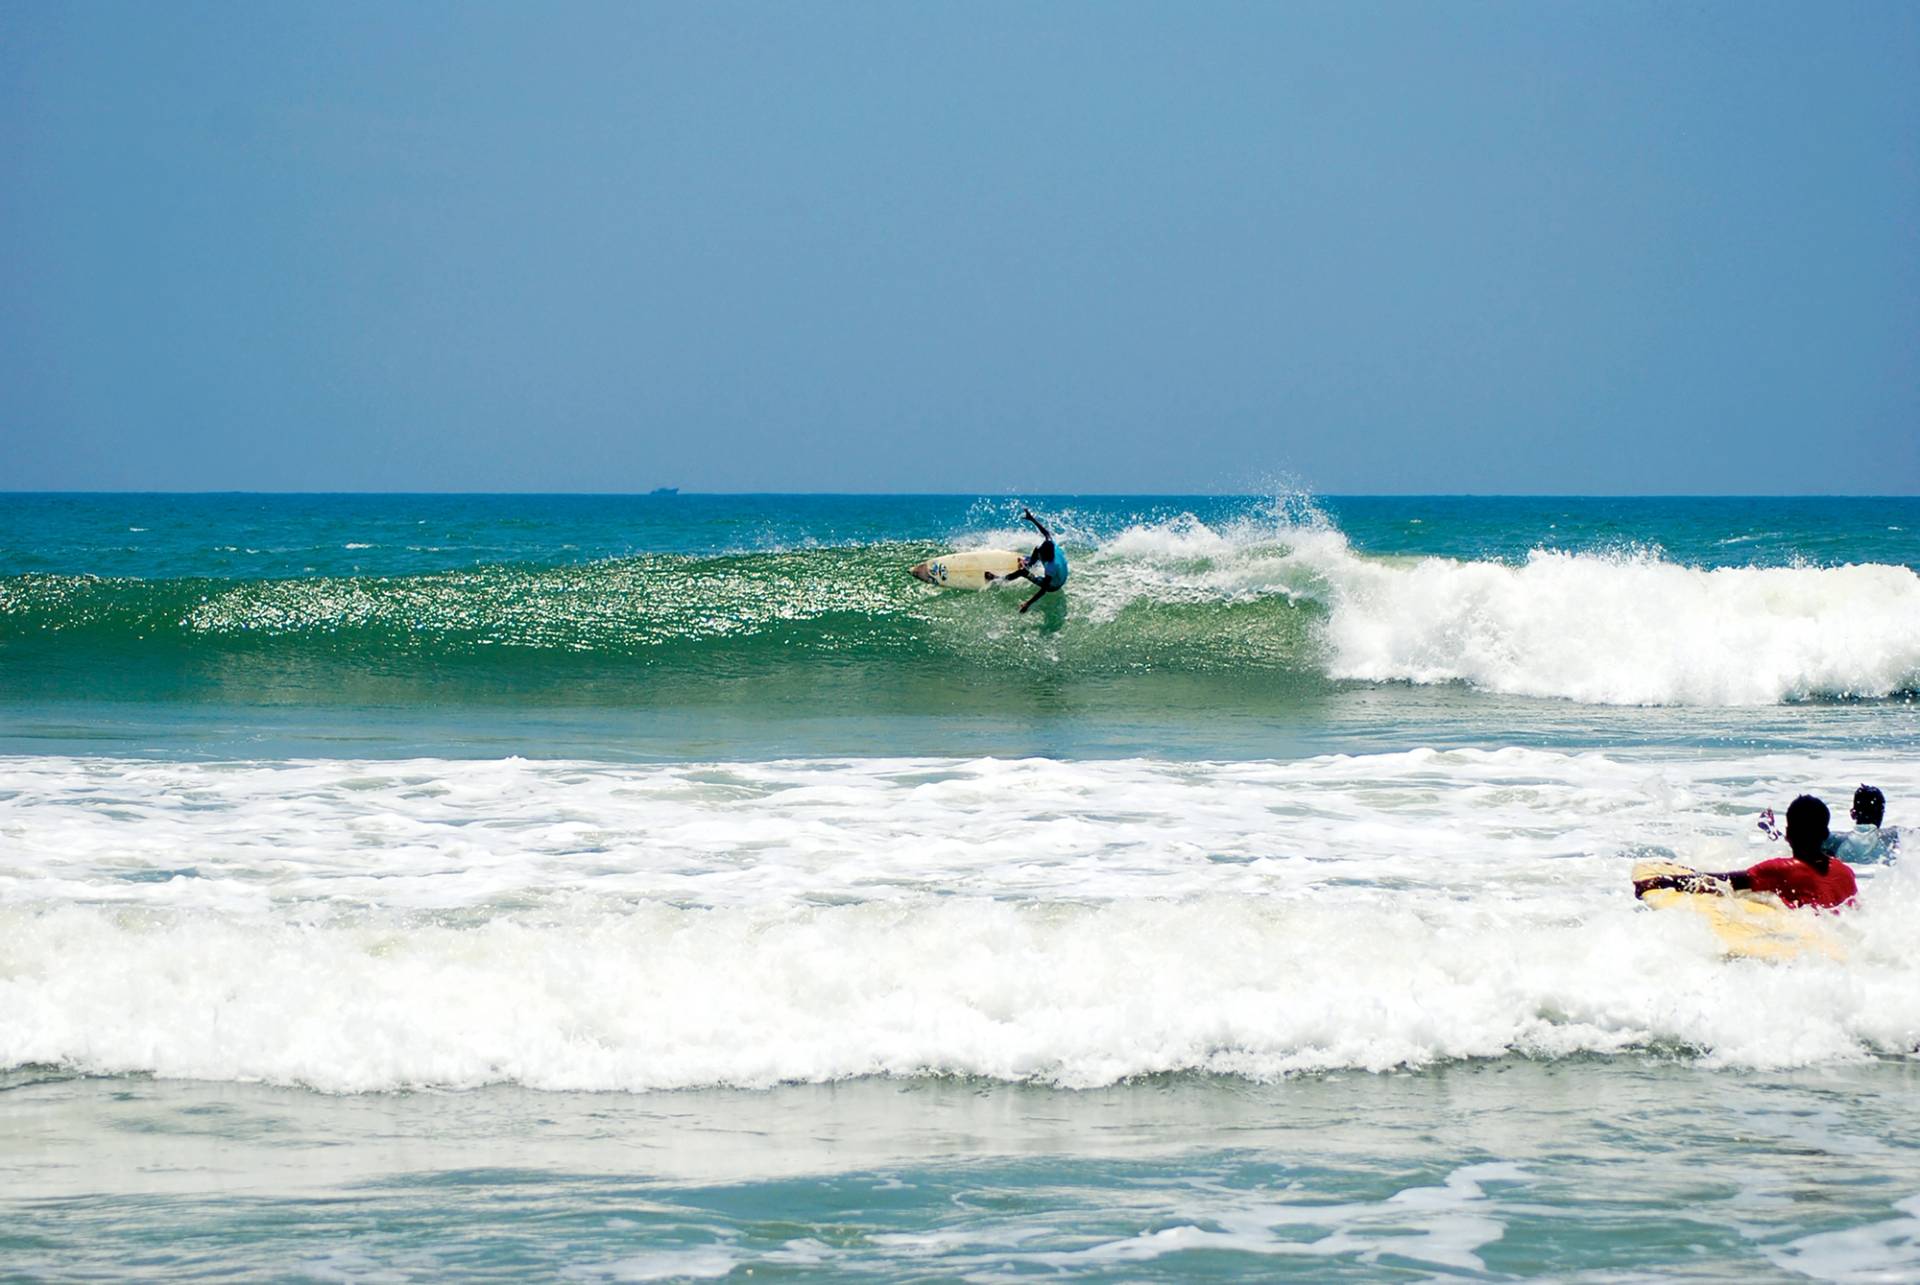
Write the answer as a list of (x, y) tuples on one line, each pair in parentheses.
[(1807, 819), (1869, 805)]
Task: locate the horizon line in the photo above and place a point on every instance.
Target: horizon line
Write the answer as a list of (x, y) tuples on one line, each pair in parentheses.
[(681, 493)]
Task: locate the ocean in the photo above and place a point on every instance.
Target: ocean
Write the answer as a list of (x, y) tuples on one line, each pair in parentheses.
[(671, 887)]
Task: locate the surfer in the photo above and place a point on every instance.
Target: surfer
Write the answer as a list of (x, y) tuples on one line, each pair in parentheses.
[(1810, 877), (1046, 556), (1869, 841)]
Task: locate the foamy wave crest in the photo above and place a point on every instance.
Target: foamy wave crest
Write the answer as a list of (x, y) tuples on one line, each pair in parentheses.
[(1604, 628), (1076, 995), (1630, 630)]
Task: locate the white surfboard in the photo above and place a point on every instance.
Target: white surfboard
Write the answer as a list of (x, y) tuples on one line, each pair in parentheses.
[(968, 570)]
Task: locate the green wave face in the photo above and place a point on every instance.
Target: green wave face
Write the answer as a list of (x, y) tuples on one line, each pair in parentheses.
[(634, 628)]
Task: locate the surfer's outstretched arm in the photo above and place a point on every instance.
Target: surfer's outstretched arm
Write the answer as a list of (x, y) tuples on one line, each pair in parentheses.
[(1039, 526), (1699, 881)]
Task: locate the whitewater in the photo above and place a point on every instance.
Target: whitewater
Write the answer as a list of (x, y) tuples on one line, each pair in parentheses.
[(1616, 627), (359, 926)]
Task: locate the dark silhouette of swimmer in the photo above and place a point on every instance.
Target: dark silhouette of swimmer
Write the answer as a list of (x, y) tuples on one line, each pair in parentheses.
[(1047, 557), (1808, 878)]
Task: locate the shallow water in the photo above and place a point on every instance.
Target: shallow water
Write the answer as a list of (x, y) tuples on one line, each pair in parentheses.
[(1624, 1168)]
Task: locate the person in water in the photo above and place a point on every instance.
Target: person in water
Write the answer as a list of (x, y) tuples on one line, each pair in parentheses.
[(1047, 557), (1869, 841), (1809, 877)]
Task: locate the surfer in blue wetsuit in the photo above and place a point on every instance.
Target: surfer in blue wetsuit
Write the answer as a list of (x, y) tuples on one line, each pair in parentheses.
[(1046, 557)]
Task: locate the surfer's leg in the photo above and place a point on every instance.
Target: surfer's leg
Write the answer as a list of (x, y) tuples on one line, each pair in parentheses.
[(1036, 597)]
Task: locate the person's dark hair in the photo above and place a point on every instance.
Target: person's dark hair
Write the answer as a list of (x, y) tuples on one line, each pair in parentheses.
[(1869, 805), (1807, 819)]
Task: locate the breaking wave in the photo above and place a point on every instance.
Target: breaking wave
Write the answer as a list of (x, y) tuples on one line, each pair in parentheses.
[(1275, 597)]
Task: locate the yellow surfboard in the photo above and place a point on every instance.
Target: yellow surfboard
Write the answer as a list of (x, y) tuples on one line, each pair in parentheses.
[(1750, 925)]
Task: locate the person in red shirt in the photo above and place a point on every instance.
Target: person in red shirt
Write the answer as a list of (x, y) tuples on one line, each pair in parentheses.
[(1807, 878)]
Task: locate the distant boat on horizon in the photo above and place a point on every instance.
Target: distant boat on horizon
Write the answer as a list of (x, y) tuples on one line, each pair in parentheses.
[(664, 490)]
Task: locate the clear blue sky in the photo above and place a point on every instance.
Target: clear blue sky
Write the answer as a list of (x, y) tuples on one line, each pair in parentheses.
[(1045, 247)]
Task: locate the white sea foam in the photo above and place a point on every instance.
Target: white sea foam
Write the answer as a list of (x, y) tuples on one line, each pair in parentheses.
[(702, 1263), (1626, 627), (1630, 629), (1444, 1226), (1883, 1251), (361, 926)]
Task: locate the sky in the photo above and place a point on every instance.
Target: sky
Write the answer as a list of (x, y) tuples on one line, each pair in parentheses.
[(1062, 247)]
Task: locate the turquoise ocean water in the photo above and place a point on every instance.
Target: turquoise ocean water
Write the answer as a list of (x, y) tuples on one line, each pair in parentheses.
[(671, 887)]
